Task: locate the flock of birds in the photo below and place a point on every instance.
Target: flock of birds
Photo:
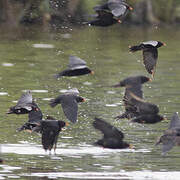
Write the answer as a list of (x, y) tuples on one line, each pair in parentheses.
[(136, 108)]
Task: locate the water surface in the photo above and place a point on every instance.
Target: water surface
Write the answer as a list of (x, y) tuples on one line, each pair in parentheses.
[(29, 60)]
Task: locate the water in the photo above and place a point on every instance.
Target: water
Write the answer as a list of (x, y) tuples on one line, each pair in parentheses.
[(29, 60)]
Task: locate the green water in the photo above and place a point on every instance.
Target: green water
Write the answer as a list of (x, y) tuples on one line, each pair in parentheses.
[(106, 52)]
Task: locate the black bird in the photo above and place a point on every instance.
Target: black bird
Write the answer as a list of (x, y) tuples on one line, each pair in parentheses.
[(133, 85), (76, 67), (24, 105), (113, 137), (118, 8), (69, 102), (50, 129), (35, 118), (146, 112), (171, 136), (104, 19), (148, 118), (150, 54)]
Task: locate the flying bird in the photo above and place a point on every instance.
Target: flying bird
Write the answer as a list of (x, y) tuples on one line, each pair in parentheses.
[(69, 102), (34, 119), (76, 67), (132, 84), (50, 129), (146, 112), (118, 8), (24, 105), (113, 137), (103, 19), (150, 54), (171, 136)]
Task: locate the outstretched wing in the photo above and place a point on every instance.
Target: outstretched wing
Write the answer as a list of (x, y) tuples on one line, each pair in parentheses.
[(168, 142), (175, 121), (70, 107), (107, 129), (117, 8), (35, 115), (150, 56), (25, 99), (50, 131), (76, 63)]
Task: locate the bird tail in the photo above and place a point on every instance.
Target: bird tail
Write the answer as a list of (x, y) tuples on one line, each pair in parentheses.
[(56, 76), (135, 48)]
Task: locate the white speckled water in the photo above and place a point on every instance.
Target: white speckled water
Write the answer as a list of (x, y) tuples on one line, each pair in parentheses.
[(25, 66)]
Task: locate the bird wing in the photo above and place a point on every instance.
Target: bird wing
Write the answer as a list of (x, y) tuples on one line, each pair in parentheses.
[(107, 129), (117, 9), (144, 107), (70, 107), (50, 130), (175, 121), (150, 56), (76, 63), (168, 142), (35, 115), (104, 15), (25, 100)]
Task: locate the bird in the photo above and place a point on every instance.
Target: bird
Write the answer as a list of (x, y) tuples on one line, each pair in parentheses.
[(25, 105), (69, 102), (150, 54), (34, 118), (113, 137), (103, 19), (146, 112), (171, 136), (132, 84), (50, 129), (76, 67), (118, 8), (148, 118)]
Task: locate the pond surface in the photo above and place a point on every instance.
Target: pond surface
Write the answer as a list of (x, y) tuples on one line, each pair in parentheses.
[(28, 61)]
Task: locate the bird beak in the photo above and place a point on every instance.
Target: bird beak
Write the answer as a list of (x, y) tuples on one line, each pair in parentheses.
[(165, 118), (150, 79), (83, 100), (67, 124), (9, 112), (164, 44), (130, 8), (119, 21), (28, 130), (92, 72), (131, 146)]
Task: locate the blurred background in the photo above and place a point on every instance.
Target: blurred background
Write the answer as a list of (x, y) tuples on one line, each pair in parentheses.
[(56, 13)]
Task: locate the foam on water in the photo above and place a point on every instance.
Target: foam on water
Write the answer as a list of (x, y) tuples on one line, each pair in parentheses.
[(7, 64), (44, 46), (73, 151), (140, 175)]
